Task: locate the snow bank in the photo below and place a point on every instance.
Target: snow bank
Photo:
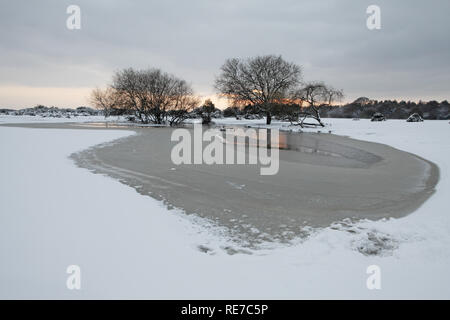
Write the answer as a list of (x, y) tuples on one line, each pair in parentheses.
[(37, 118)]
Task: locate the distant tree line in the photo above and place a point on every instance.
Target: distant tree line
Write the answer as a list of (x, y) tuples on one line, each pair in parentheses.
[(44, 111), (391, 109)]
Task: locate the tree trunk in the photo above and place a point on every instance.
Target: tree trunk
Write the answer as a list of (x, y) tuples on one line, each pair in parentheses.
[(317, 116), (268, 117)]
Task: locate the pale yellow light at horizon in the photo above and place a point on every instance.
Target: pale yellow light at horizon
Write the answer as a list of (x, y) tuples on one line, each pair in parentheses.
[(18, 97)]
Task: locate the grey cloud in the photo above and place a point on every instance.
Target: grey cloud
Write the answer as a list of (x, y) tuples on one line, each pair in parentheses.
[(408, 57)]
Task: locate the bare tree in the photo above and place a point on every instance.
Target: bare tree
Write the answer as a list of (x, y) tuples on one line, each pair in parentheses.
[(261, 81), (154, 96), (106, 100), (316, 95), (334, 95), (183, 102)]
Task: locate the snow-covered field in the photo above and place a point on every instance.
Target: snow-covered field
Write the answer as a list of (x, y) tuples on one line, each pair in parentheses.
[(53, 214)]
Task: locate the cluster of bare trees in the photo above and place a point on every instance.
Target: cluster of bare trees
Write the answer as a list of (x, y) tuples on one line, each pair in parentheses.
[(315, 95), (151, 95), (263, 82), (268, 81)]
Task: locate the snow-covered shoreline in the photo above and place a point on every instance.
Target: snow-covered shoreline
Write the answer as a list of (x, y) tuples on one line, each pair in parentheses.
[(54, 215)]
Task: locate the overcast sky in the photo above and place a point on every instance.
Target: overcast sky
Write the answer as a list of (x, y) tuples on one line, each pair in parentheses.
[(43, 62)]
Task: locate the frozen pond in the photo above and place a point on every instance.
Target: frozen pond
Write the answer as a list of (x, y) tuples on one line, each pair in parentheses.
[(322, 178)]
